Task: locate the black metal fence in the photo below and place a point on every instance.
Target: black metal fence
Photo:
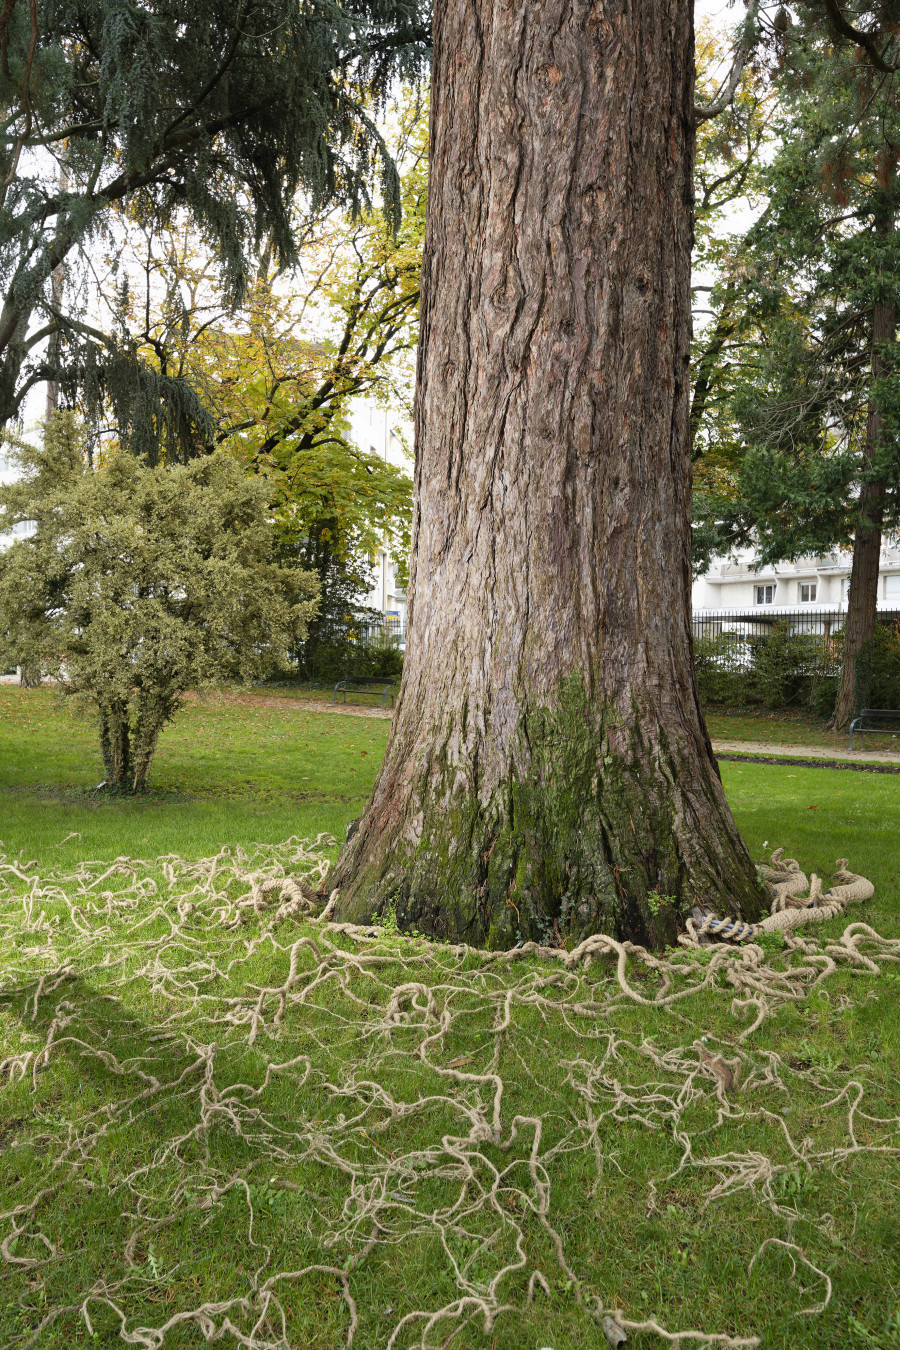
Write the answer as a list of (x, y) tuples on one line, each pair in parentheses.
[(764, 620), (738, 632), (376, 632), (783, 657)]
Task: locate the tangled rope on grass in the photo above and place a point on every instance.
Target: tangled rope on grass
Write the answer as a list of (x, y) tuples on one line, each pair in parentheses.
[(287, 1056), (790, 907)]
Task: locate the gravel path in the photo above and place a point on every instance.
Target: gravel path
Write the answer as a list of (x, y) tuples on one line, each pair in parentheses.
[(301, 704), (807, 752)]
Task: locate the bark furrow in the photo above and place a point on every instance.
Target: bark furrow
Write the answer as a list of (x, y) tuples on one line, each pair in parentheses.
[(548, 770)]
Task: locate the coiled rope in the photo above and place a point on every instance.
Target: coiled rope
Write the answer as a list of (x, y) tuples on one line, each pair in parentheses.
[(796, 900)]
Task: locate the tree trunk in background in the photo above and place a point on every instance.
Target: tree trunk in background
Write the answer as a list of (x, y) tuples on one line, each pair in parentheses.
[(57, 292), (115, 744), (863, 598), (548, 765)]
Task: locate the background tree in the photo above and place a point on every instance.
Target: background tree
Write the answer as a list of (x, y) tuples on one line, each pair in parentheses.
[(845, 121), (804, 415), (548, 772), (276, 373), (142, 582), (225, 116), (729, 177)]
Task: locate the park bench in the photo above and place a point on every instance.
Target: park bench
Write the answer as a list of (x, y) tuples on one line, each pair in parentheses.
[(385, 687), (873, 714)]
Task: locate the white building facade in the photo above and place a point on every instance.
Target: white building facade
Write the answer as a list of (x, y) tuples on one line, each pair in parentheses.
[(381, 433), (811, 584), (9, 472)]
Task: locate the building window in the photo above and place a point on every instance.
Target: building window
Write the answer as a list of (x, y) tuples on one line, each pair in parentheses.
[(892, 587), (765, 595), (807, 592)]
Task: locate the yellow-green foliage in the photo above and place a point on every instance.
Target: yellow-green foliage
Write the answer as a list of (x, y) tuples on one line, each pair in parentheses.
[(140, 582)]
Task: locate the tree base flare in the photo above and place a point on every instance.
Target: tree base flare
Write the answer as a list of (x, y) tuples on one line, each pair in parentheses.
[(597, 827)]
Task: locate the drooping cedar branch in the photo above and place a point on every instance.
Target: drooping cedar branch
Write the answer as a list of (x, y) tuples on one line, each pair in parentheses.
[(867, 41)]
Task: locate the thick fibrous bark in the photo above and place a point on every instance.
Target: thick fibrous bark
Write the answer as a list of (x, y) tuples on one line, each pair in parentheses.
[(863, 598), (548, 767)]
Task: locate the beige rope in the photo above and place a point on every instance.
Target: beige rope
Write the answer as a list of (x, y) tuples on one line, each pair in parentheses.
[(791, 908), (428, 1142)]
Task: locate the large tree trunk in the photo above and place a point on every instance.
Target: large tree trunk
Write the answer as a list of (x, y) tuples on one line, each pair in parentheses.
[(863, 598), (548, 768)]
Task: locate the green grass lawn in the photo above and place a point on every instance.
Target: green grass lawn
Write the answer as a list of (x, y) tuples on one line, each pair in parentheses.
[(789, 728), (219, 1126), (233, 770)]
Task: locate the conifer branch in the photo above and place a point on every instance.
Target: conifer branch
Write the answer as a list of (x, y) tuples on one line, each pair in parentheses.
[(216, 78), (856, 35), (26, 98)]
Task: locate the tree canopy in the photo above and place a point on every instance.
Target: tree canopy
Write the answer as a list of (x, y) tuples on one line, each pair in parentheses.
[(273, 375), (786, 409), (226, 116)]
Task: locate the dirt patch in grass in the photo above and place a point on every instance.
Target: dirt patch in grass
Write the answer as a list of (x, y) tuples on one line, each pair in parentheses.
[(289, 701)]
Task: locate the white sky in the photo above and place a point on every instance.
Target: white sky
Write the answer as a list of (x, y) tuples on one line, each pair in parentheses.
[(728, 13)]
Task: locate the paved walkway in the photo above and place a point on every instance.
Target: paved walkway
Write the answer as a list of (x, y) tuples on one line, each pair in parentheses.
[(769, 748)]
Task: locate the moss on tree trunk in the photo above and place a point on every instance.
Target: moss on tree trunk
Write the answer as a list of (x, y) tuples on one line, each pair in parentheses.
[(548, 773), (585, 834)]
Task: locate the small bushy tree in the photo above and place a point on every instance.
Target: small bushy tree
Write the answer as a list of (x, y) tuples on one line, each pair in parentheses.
[(139, 583), (277, 373)]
